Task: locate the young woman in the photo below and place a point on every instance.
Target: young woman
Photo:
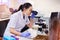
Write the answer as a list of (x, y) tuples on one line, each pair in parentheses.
[(55, 26), (18, 20)]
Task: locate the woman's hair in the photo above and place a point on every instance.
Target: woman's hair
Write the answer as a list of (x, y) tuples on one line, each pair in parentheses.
[(25, 5), (54, 20)]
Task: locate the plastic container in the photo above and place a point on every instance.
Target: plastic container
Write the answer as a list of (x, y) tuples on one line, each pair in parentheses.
[(8, 38)]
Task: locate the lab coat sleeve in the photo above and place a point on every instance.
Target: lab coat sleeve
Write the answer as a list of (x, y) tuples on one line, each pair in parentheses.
[(13, 21), (27, 22)]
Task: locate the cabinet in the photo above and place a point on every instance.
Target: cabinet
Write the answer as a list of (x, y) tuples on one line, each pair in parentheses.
[(3, 25)]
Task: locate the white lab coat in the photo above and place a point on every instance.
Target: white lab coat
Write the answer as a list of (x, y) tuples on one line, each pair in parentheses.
[(17, 22)]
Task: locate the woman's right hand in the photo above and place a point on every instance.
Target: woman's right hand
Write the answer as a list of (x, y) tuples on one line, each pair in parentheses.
[(25, 34)]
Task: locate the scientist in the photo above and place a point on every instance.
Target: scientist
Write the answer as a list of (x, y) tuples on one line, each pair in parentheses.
[(18, 20), (31, 19)]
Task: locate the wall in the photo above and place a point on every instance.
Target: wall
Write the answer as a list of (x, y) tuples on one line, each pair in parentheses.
[(45, 7), (16, 3)]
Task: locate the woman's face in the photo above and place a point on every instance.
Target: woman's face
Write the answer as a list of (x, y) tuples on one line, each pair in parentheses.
[(29, 10)]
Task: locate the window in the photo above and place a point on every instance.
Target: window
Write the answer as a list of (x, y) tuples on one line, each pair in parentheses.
[(7, 2)]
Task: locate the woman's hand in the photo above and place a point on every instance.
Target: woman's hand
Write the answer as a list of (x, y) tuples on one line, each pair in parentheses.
[(25, 34)]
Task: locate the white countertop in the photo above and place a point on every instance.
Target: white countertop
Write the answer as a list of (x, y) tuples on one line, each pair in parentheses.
[(40, 33), (22, 38), (4, 19)]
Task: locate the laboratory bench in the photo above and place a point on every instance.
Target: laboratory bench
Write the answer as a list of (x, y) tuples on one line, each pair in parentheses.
[(38, 37), (41, 36)]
